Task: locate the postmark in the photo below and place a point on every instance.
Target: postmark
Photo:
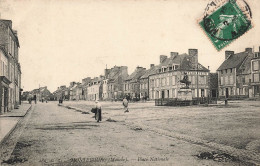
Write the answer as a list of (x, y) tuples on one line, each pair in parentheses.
[(226, 20)]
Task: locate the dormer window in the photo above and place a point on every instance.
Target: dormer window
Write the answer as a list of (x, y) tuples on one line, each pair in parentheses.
[(176, 67), (170, 68), (164, 68)]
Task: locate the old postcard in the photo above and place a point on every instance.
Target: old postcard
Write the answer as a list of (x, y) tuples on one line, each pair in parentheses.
[(133, 82)]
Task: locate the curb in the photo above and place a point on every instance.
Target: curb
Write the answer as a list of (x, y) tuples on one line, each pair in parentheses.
[(76, 109), (10, 132)]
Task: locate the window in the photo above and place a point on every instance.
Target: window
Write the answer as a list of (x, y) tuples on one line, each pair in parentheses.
[(226, 80), (170, 68), (243, 79), (230, 70), (202, 93), (167, 80), (255, 65), (256, 77), (163, 81), (193, 80), (173, 93), (225, 70), (231, 80), (173, 80), (176, 67), (240, 91), (221, 71)]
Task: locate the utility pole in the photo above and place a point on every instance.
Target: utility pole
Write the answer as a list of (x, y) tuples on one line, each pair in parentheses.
[(197, 84)]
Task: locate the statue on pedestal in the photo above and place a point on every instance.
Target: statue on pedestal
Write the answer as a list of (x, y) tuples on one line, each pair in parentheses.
[(186, 81)]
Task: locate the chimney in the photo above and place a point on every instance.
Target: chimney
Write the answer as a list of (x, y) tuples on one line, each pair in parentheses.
[(249, 50), (107, 71), (162, 58), (151, 66), (174, 54), (194, 57), (228, 54), (15, 33)]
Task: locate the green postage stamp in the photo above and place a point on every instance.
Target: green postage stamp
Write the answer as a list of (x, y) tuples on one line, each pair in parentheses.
[(226, 20)]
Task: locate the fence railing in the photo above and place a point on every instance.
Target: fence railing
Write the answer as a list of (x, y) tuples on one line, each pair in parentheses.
[(177, 102)]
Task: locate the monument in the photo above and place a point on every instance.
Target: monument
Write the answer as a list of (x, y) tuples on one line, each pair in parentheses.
[(185, 93)]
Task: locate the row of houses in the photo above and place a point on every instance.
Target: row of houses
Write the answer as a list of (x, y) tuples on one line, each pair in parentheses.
[(39, 94), (10, 69), (237, 77), (159, 81)]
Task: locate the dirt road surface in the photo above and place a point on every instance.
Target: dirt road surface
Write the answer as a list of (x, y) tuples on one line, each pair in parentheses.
[(55, 135)]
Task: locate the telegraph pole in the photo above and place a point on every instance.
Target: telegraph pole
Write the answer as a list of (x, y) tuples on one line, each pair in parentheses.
[(197, 84)]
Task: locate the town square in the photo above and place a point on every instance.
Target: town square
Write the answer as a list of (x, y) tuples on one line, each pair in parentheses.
[(130, 82)]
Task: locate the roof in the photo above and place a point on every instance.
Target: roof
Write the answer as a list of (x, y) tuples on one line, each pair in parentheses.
[(115, 73), (139, 71), (184, 61), (234, 61), (169, 61), (149, 72)]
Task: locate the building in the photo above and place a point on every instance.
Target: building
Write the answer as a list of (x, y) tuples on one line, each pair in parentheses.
[(79, 93), (61, 93), (10, 66), (95, 89), (165, 83), (44, 93), (85, 83), (132, 83), (144, 82), (113, 82), (4, 81), (234, 75), (255, 74)]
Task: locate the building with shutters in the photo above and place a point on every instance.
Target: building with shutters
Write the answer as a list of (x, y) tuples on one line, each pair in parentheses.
[(165, 83), (10, 71), (234, 75), (113, 83), (255, 74)]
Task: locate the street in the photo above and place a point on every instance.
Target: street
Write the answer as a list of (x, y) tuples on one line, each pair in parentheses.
[(147, 135)]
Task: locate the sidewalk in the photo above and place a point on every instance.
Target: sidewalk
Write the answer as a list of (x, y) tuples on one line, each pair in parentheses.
[(9, 120)]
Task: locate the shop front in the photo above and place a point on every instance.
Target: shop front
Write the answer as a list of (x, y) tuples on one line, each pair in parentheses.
[(4, 89)]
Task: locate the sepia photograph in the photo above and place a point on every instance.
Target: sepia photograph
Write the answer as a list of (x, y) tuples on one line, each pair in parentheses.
[(130, 82)]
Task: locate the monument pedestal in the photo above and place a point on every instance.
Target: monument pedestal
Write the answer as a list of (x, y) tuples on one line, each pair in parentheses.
[(184, 94)]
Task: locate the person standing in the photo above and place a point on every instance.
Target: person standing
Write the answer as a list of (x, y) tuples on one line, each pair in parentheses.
[(98, 112), (125, 104)]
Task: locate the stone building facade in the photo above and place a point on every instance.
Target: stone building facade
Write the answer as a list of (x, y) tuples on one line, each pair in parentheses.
[(95, 89), (255, 74), (144, 82), (10, 67), (165, 83), (132, 83), (234, 75), (113, 86)]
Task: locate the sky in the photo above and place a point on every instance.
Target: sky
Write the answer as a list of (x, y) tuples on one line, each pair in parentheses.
[(67, 40)]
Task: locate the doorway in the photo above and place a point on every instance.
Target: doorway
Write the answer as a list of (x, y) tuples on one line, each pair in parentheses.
[(227, 94)]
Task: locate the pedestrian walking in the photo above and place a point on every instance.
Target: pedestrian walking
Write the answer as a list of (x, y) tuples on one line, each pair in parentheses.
[(125, 104), (98, 113)]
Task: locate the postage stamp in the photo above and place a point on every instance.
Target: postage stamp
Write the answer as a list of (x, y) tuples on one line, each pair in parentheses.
[(226, 20)]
